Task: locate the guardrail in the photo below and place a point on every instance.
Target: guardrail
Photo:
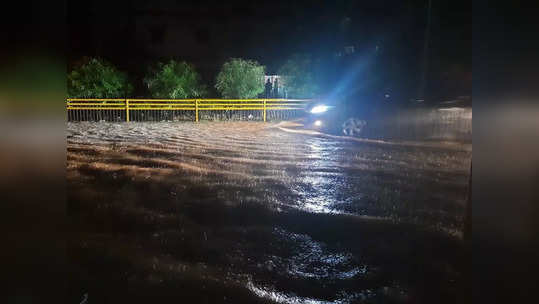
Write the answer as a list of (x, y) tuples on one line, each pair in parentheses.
[(196, 105)]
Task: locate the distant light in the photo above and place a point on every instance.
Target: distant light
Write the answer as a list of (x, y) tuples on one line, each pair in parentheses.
[(319, 109), (318, 123)]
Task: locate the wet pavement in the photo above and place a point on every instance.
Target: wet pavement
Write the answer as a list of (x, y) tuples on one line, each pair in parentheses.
[(245, 212)]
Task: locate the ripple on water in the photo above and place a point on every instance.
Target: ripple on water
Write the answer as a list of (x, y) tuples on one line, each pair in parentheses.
[(311, 259), (280, 297)]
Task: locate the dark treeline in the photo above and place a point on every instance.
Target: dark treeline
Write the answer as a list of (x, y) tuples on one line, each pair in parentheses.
[(359, 50)]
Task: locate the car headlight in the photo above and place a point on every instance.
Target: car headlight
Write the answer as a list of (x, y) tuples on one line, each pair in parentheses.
[(319, 109)]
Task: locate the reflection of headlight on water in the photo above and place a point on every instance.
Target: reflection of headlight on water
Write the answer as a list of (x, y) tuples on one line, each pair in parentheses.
[(318, 123), (319, 109)]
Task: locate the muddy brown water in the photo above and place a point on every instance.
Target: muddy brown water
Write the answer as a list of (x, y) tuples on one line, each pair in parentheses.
[(245, 212)]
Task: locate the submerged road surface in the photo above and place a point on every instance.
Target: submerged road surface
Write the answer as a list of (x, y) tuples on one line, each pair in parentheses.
[(244, 212)]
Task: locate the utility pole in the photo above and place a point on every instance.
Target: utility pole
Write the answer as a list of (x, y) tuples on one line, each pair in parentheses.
[(425, 62)]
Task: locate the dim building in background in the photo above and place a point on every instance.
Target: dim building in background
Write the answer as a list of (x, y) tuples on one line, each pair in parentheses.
[(278, 89)]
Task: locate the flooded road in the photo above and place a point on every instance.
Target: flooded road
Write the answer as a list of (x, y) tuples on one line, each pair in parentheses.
[(245, 212)]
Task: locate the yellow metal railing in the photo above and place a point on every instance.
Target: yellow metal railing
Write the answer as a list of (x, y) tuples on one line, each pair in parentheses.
[(195, 105)]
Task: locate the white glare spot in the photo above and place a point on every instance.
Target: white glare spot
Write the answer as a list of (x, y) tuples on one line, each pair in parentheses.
[(319, 109)]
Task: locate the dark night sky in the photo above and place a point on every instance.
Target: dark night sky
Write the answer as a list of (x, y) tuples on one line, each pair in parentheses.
[(132, 34)]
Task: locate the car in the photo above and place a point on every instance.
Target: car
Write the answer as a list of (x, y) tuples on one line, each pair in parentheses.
[(329, 118)]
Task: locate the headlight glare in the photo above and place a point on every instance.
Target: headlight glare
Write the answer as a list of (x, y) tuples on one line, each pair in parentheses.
[(319, 109)]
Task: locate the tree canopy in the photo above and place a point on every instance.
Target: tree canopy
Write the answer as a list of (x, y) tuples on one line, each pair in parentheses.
[(240, 78), (175, 80), (297, 73), (96, 78)]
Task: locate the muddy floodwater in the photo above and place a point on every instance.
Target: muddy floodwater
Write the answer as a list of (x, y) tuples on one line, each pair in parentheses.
[(247, 212)]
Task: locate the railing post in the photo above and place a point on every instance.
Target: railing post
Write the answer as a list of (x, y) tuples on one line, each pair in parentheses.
[(264, 110), (127, 110), (196, 110)]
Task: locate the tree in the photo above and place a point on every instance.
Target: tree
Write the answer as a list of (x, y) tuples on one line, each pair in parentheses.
[(96, 78), (240, 78), (175, 80), (298, 77)]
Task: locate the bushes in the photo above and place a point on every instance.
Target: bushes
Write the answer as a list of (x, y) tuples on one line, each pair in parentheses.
[(174, 80), (240, 78), (96, 78)]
